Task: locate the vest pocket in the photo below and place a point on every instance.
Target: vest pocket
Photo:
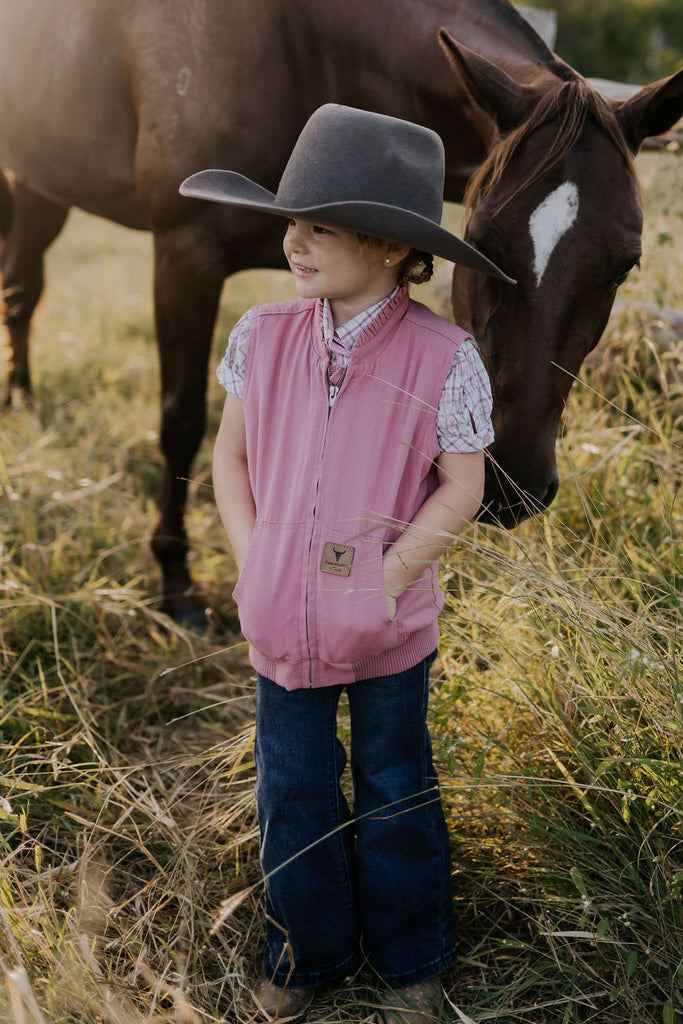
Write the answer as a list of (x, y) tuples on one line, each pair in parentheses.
[(269, 591), (351, 617)]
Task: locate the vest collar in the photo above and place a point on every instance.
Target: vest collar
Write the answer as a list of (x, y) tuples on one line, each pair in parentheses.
[(370, 334)]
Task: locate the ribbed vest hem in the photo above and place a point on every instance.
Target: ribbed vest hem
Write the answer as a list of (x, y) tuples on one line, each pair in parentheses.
[(315, 674)]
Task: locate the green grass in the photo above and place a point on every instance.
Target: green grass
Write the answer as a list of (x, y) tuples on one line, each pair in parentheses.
[(129, 878)]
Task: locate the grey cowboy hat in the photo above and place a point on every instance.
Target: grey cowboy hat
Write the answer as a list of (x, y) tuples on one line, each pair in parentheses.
[(360, 171)]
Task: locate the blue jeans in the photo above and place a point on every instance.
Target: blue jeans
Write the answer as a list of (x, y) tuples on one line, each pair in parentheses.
[(333, 880)]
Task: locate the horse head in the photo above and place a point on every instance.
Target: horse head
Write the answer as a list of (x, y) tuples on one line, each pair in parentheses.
[(557, 205)]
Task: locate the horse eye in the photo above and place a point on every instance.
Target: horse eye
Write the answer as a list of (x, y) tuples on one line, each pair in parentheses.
[(625, 271)]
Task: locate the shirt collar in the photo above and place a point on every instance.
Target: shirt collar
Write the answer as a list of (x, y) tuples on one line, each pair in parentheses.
[(344, 337)]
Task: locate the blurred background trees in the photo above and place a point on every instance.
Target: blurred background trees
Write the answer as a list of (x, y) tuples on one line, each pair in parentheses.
[(626, 40)]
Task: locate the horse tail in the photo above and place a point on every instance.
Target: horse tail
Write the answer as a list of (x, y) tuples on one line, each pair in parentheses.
[(6, 204)]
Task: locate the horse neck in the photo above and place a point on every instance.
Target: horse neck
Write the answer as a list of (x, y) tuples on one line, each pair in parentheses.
[(386, 51), (386, 56)]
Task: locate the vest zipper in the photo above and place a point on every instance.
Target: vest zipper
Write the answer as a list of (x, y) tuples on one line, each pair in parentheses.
[(332, 392), (334, 387)]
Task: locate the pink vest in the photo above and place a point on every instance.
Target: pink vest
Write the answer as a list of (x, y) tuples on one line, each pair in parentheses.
[(332, 489)]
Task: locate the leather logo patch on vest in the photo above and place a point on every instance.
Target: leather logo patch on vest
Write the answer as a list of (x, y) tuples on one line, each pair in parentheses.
[(337, 559)]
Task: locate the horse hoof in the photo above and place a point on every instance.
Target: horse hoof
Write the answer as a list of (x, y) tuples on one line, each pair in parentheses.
[(199, 619), (19, 398)]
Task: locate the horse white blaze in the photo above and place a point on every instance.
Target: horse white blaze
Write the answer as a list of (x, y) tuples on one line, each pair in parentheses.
[(550, 221)]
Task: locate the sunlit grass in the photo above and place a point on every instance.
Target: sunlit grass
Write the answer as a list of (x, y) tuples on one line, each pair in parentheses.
[(561, 723), (129, 878)]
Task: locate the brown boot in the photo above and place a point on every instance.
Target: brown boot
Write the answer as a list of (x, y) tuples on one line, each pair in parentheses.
[(281, 1004), (416, 1004)]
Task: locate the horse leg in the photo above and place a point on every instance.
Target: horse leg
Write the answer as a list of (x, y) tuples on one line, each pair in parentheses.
[(33, 223), (187, 288)]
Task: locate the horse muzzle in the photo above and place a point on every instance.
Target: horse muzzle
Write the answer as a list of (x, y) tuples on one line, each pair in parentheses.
[(509, 500)]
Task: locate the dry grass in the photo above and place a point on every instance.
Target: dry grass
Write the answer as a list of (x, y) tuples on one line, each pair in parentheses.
[(129, 879)]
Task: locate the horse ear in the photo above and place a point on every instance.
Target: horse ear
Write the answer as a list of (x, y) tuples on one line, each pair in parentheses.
[(652, 111), (488, 86)]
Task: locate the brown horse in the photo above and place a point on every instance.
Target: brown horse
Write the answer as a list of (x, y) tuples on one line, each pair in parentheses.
[(108, 106)]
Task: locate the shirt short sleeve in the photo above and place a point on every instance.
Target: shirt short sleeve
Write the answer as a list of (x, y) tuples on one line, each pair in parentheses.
[(464, 419), (231, 369)]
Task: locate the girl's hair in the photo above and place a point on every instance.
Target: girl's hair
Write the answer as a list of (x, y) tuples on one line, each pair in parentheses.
[(417, 267)]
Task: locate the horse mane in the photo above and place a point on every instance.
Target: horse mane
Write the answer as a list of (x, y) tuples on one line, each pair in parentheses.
[(572, 104)]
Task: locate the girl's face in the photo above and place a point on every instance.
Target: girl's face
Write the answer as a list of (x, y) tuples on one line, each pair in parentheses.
[(331, 263)]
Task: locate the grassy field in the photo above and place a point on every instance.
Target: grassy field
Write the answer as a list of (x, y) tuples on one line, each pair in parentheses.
[(129, 881)]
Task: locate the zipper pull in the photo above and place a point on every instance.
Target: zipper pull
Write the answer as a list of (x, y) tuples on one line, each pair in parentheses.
[(335, 379)]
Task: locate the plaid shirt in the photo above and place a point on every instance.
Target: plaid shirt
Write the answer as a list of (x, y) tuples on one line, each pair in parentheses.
[(464, 416)]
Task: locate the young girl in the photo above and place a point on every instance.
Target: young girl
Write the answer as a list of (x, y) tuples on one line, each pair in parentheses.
[(349, 455)]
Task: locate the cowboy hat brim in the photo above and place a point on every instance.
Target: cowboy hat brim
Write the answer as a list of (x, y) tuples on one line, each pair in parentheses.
[(380, 219)]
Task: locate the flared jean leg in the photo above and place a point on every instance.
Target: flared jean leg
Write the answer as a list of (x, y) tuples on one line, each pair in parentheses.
[(402, 847), (312, 928)]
